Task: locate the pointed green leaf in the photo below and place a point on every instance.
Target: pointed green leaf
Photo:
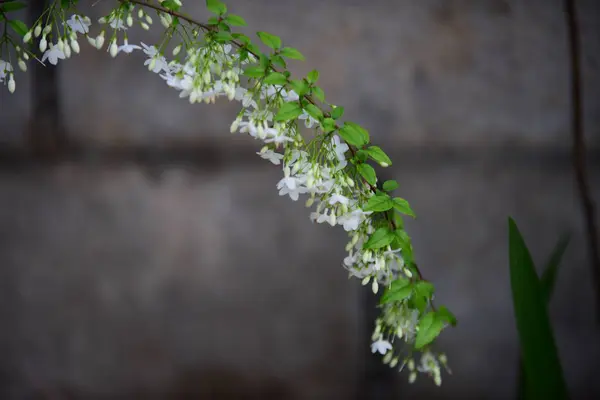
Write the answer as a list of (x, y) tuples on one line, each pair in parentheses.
[(214, 6), (299, 86), (543, 371), (367, 172), (318, 93), (12, 6), (313, 76), (402, 206), (337, 112), (254, 72), (428, 329), (379, 204), (399, 290), (379, 156), (288, 111), (445, 315), (270, 40), (275, 78), (352, 135), (292, 53), (380, 238), (235, 20), (390, 185)]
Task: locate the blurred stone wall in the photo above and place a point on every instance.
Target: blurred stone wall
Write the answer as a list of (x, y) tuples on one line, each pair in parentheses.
[(175, 276)]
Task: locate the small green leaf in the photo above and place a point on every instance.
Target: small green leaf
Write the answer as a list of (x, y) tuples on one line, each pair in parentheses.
[(379, 156), (428, 329), (12, 6), (313, 76), (299, 86), (235, 20), (270, 40), (445, 315), (367, 172), (223, 37), (318, 93), (363, 132), (254, 72), (292, 53), (337, 112), (264, 61), (278, 60), (543, 372), (275, 78), (402, 206), (351, 135), (380, 238), (328, 125), (314, 111), (171, 5), (18, 26), (361, 156), (288, 111), (213, 21), (425, 289), (214, 6), (224, 27), (390, 185), (399, 290), (243, 39), (379, 204)]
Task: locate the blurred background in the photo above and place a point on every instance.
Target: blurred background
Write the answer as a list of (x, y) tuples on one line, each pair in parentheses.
[(145, 252)]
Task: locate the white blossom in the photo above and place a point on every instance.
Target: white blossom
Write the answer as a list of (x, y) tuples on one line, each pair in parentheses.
[(53, 54), (79, 24)]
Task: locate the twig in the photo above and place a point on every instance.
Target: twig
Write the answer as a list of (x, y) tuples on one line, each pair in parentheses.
[(579, 162)]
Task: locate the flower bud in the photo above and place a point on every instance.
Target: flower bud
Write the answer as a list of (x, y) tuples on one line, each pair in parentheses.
[(11, 84), (375, 286), (92, 41), (60, 45), (384, 164), (25, 56), (176, 50), (310, 202), (37, 31), (140, 13), (22, 65), (129, 21), (67, 50), (47, 29), (332, 218), (75, 46), (43, 44), (113, 49), (411, 365), (388, 357), (100, 40), (102, 20), (148, 19), (365, 280), (145, 26), (412, 377), (27, 37), (394, 362)]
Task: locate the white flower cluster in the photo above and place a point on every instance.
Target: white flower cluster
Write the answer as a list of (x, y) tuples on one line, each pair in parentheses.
[(319, 170)]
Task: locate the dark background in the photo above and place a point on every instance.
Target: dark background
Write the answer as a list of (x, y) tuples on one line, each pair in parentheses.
[(145, 253)]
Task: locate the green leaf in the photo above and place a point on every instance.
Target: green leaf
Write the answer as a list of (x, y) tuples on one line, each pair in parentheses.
[(379, 156), (278, 60), (12, 6), (243, 39), (351, 135), (428, 329), (402, 206), (18, 26), (270, 40), (170, 5), (390, 185), (399, 290), (224, 27), (275, 78), (543, 371), (288, 111), (379, 203), (223, 37), (235, 20), (328, 125), (337, 112), (361, 156), (313, 76), (367, 172), (380, 238), (253, 48), (214, 6), (292, 53), (318, 93), (446, 316), (314, 111), (404, 243), (213, 21), (254, 72), (363, 132), (299, 86), (264, 61)]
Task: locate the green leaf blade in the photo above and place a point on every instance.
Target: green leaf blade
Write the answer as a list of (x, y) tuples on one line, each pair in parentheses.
[(542, 367)]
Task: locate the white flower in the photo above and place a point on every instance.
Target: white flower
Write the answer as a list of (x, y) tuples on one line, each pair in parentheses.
[(337, 198), (308, 120), (339, 148), (127, 48), (53, 54), (79, 24), (118, 24), (270, 155), (352, 220), (290, 185), (4, 68), (381, 346), (150, 51)]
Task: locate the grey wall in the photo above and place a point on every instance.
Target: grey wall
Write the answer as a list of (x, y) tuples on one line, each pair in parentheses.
[(165, 277)]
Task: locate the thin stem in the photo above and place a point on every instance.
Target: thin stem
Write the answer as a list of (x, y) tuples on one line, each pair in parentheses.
[(579, 161)]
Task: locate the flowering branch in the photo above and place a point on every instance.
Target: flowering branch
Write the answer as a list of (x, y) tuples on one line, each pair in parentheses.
[(333, 167)]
